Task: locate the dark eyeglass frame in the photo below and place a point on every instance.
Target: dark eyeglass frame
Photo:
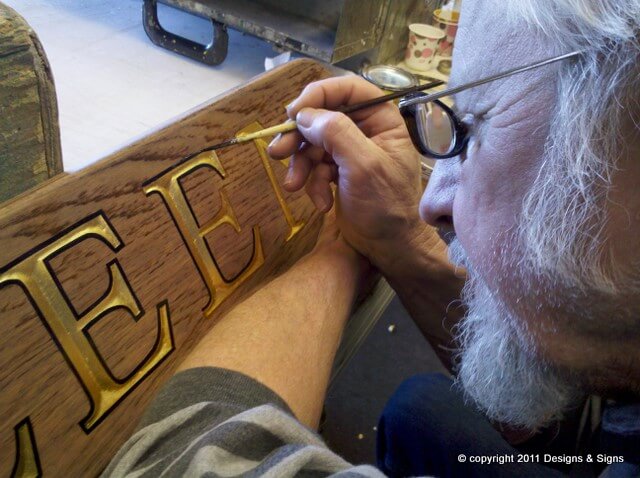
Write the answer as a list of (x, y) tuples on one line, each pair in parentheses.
[(459, 129), (408, 108)]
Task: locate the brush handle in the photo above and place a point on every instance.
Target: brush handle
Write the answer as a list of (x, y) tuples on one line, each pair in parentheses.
[(291, 125), (272, 131), (388, 97)]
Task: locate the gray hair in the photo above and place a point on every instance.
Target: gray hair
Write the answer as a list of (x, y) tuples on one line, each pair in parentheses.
[(497, 364), (563, 225), (564, 215)]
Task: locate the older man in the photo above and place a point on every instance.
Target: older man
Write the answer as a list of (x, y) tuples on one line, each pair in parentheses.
[(540, 205)]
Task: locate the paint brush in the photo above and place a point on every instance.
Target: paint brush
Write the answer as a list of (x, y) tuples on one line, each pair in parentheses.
[(290, 125)]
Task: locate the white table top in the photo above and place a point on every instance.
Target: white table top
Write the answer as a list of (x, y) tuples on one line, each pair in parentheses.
[(113, 84)]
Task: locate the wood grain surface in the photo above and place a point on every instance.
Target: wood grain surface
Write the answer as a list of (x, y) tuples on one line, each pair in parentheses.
[(29, 134), (106, 282)]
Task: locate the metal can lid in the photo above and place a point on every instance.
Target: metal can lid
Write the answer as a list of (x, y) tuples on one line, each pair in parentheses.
[(389, 77), (444, 67), (448, 17)]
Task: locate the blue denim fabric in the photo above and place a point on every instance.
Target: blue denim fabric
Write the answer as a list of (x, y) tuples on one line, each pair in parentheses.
[(622, 419), (621, 470), (620, 437), (426, 425)]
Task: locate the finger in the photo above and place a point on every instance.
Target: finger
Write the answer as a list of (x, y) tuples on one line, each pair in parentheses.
[(285, 145), (300, 167), (335, 92), (331, 94), (316, 153), (319, 186), (381, 121), (338, 136)]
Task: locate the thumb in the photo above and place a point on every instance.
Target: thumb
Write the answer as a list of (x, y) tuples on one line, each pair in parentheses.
[(338, 135)]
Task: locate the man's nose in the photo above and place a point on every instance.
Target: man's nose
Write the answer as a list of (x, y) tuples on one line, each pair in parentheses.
[(436, 206)]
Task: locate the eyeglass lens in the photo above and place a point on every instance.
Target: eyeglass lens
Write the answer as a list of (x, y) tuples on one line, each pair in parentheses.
[(435, 128)]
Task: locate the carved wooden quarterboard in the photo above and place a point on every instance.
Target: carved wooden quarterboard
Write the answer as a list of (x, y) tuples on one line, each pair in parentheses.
[(108, 277)]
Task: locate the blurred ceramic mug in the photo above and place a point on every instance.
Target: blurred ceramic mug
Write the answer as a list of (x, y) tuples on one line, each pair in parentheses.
[(423, 43), (447, 20)]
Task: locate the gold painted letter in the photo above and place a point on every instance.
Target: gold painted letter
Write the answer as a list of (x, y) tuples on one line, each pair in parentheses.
[(261, 145), (168, 186), (27, 464), (70, 330)]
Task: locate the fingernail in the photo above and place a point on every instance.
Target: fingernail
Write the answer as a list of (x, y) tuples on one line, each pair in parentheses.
[(304, 117), (275, 140), (290, 105), (288, 178)]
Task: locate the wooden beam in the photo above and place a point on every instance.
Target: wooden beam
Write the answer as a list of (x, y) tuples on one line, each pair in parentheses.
[(30, 138)]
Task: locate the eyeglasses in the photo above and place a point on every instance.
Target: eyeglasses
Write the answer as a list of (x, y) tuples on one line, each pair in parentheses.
[(435, 129)]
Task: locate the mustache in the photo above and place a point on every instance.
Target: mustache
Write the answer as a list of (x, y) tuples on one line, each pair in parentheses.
[(446, 234), (457, 255)]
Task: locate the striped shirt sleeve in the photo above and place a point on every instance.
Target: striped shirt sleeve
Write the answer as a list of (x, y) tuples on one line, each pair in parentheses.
[(218, 423)]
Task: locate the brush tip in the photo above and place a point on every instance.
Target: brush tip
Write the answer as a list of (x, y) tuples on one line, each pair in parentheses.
[(226, 144)]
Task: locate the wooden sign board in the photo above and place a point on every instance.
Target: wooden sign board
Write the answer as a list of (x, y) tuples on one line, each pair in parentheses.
[(109, 277)]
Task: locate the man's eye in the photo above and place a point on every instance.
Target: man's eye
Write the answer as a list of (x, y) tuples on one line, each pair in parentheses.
[(470, 124), (468, 120)]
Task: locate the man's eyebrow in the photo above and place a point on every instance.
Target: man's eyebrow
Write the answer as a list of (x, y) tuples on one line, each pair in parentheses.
[(459, 107)]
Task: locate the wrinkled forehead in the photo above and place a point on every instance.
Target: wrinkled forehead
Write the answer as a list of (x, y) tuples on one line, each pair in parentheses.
[(488, 43)]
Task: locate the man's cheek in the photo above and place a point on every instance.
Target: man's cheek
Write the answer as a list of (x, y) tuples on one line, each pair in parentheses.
[(480, 229), (465, 223)]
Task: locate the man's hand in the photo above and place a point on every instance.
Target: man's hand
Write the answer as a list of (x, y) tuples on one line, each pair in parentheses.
[(369, 156)]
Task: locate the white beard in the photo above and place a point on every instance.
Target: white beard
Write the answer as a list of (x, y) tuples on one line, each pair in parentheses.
[(498, 369)]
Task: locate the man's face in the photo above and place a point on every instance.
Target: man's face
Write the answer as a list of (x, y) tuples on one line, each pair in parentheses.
[(515, 361), (509, 121), (532, 341)]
